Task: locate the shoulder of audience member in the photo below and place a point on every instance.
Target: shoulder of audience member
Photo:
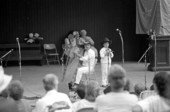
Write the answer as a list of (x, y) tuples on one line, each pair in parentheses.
[(102, 96)]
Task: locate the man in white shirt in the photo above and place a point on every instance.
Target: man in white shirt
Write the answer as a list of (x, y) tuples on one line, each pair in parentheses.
[(160, 102), (117, 100), (88, 62), (53, 100), (106, 56)]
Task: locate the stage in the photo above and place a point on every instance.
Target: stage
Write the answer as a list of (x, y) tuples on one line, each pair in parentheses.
[(31, 76)]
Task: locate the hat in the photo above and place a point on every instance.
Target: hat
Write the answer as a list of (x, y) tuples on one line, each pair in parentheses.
[(107, 40), (4, 79), (88, 40)]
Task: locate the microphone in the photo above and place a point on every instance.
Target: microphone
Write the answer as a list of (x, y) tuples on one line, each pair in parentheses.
[(17, 39), (118, 30), (11, 50)]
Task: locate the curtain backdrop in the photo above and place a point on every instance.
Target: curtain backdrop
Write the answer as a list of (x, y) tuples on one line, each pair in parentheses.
[(147, 16), (165, 17)]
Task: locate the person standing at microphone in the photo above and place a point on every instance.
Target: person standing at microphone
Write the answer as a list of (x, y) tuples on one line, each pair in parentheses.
[(106, 56)]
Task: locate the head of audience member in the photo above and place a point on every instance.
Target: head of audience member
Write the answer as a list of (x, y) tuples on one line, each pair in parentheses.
[(16, 90), (81, 90), (138, 88), (92, 91), (117, 78), (83, 33), (4, 81), (50, 82), (127, 85), (161, 83)]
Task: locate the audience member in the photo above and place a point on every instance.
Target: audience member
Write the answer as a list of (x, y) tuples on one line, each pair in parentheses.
[(91, 92), (117, 100), (78, 94), (81, 91), (7, 104), (126, 88), (16, 91), (138, 88), (160, 102), (53, 100)]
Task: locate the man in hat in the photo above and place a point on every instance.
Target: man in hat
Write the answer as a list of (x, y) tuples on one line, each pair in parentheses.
[(88, 62), (106, 55), (6, 104), (85, 38)]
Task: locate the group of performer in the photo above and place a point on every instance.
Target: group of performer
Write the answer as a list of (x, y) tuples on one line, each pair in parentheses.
[(82, 57)]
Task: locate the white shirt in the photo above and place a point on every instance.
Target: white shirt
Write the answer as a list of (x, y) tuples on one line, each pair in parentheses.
[(88, 58), (116, 102), (155, 104), (104, 57), (49, 99), (82, 104)]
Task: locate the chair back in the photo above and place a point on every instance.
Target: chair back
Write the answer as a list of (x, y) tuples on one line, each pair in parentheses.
[(86, 110), (49, 46), (147, 93)]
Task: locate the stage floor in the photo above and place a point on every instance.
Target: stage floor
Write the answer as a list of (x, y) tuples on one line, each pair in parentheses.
[(31, 76)]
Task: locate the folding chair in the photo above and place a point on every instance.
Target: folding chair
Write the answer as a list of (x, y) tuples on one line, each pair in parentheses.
[(51, 54), (91, 73)]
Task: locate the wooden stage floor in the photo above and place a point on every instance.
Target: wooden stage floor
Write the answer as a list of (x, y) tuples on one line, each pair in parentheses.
[(31, 76)]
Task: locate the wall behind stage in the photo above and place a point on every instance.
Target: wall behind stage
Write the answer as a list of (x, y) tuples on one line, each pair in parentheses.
[(53, 19)]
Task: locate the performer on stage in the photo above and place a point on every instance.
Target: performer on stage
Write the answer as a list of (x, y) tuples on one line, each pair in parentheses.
[(84, 38), (106, 56), (88, 62), (73, 54)]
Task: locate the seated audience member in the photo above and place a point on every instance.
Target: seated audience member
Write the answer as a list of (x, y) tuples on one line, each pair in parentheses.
[(117, 100), (126, 88), (53, 100), (91, 92), (160, 102), (81, 91), (7, 104), (79, 94), (16, 91), (138, 88)]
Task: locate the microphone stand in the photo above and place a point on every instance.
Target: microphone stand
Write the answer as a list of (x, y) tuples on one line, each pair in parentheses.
[(5, 56), (19, 52), (154, 37), (122, 46), (144, 55)]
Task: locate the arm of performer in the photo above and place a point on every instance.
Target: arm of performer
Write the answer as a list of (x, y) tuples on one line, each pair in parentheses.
[(89, 56), (111, 53), (102, 53)]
